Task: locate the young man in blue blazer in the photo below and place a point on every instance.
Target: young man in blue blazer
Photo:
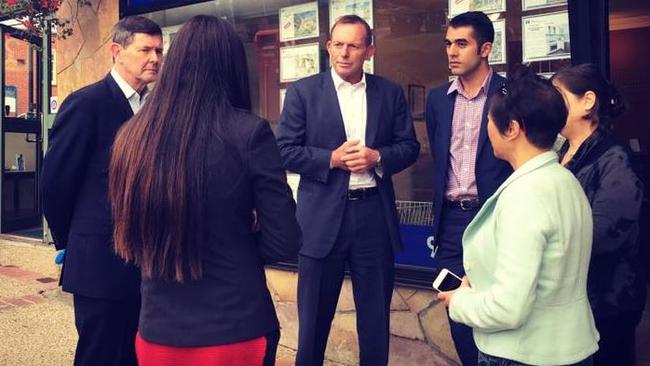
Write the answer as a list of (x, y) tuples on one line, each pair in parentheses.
[(74, 184), (466, 172), (346, 133)]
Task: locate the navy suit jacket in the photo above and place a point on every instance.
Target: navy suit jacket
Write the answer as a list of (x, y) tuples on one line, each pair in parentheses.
[(311, 127), (74, 186), (490, 171)]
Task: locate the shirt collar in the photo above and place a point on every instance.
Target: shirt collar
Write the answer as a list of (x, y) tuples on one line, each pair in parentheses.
[(457, 86), (338, 81), (124, 86)]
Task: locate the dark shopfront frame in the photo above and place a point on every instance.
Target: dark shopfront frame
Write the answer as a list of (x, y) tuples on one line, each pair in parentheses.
[(589, 31)]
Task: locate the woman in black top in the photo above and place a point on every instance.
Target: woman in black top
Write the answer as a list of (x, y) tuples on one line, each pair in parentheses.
[(186, 175), (616, 287)]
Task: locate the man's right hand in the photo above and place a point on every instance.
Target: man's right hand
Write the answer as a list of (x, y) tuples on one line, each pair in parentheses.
[(335, 160)]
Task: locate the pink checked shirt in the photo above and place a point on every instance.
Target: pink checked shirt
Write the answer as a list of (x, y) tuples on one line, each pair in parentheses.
[(465, 128)]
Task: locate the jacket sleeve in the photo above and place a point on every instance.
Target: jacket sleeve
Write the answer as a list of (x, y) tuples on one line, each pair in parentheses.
[(297, 156), (64, 165), (520, 244), (405, 147), (279, 236), (616, 203)]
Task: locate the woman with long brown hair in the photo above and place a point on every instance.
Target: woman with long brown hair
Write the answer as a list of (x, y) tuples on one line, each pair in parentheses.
[(186, 174)]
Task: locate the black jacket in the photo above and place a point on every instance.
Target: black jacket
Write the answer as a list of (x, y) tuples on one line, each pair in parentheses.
[(231, 303), (74, 185), (615, 285)]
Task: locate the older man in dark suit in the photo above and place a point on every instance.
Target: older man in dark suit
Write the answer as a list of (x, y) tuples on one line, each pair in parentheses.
[(74, 183), (466, 172), (346, 133)]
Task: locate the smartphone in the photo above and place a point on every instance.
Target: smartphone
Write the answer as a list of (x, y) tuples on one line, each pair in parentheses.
[(446, 281)]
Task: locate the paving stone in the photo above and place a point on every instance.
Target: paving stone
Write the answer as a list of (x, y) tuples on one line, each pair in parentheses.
[(421, 300), (283, 284), (410, 352), (397, 302), (435, 325), (405, 324), (288, 317), (346, 297)]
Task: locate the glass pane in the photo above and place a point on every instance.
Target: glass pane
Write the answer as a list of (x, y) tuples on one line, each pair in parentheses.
[(19, 186)]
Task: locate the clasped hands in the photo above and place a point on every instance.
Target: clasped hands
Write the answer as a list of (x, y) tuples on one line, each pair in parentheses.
[(354, 157)]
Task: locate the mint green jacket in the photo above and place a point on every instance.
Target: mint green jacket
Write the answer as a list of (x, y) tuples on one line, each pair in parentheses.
[(526, 255)]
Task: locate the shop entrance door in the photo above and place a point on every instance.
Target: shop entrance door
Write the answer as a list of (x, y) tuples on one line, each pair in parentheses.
[(20, 139)]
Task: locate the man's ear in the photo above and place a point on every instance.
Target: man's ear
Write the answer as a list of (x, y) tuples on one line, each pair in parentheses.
[(370, 52), (486, 48), (115, 50)]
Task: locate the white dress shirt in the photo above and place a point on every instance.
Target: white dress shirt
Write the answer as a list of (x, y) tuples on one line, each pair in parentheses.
[(354, 111), (135, 100)]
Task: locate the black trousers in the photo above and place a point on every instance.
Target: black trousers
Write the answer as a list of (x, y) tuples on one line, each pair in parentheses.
[(106, 330), (453, 223), (363, 245)]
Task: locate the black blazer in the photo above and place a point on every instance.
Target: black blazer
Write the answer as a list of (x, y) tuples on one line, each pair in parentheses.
[(231, 303), (490, 171), (74, 185), (311, 127)]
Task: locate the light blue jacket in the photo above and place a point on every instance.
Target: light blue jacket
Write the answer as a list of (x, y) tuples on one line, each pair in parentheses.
[(526, 254)]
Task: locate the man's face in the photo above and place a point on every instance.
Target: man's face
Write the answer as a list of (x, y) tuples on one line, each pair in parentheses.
[(348, 51), (138, 63), (463, 52)]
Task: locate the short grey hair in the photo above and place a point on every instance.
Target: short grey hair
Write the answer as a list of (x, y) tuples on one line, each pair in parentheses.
[(124, 30)]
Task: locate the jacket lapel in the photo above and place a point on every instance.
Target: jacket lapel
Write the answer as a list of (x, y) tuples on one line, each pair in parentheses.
[(332, 118), (494, 83), (118, 97), (445, 131), (373, 108)]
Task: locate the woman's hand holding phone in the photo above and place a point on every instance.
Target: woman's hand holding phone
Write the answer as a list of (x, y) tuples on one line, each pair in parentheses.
[(445, 296)]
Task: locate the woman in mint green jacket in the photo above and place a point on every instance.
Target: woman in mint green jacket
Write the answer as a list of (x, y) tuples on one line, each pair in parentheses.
[(526, 253)]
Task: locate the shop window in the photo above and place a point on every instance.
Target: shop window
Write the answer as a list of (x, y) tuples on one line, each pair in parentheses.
[(285, 41)]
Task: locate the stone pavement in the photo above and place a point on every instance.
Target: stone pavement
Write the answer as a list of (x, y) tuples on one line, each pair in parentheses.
[(36, 318)]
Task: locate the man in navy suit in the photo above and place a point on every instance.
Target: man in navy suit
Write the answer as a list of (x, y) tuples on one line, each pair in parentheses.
[(74, 183), (346, 133), (466, 172)]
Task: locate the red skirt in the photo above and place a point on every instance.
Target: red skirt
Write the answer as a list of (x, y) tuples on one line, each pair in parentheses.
[(247, 353)]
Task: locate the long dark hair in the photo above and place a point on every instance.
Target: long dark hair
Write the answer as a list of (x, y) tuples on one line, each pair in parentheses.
[(157, 183), (582, 78)]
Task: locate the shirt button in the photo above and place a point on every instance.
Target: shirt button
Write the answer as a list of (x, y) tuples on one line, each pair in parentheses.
[(467, 146)]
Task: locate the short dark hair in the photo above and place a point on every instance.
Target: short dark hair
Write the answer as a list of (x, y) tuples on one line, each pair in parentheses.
[(534, 102), (124, 30), (582, 78), (354, 19), (480, 23)]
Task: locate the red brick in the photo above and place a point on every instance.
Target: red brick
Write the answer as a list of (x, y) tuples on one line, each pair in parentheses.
[(34, 298), (15, 272), (18, 302)]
